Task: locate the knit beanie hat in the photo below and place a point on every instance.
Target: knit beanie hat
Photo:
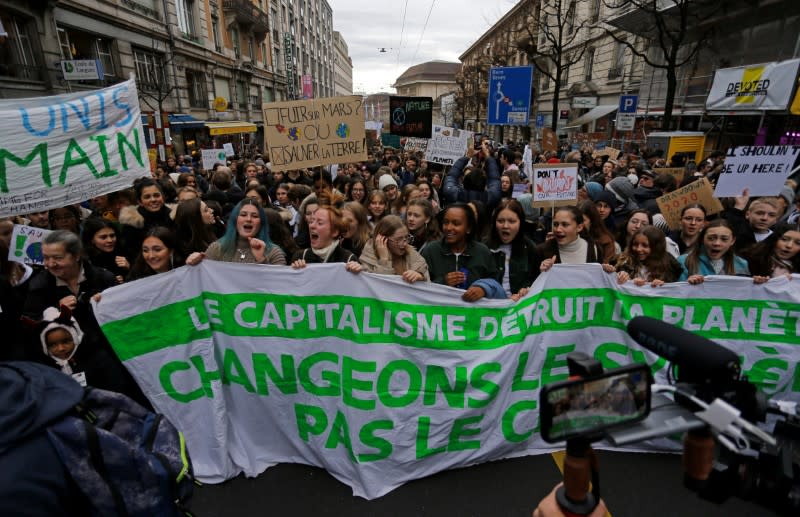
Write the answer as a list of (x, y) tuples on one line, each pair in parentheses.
[(593, 189), (386, 181), (54, 319), (606, 197), (622, 188)]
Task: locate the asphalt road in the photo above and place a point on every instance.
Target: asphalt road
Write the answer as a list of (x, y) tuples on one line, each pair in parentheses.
[(633, 484)]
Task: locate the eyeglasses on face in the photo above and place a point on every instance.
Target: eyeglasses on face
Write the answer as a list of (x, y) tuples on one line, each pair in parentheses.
[(399, 241)]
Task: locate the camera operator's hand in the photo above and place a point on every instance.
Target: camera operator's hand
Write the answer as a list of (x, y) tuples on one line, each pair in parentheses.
[(548, 507)]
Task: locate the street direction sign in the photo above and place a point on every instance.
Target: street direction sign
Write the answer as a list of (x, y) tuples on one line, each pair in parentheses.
[(509, 95)]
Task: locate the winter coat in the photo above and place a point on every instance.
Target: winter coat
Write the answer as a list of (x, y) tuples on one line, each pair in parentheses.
[(339, 254), (524, 264), (476, 258), (739, 265), (136, 222), (454, 191), (414, 261)]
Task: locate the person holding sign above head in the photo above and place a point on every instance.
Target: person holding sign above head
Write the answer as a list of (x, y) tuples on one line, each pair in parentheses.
[(459, 260), (390, 253), (326, 226), (752, 219), (246, 239), (566, 245), (136, 221)]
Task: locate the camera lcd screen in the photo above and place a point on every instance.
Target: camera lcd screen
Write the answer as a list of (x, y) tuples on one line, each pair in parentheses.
[(583, 407)]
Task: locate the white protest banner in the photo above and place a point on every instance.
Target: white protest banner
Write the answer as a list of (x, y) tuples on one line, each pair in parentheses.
[(228, 149), (415, 144), (447, 144), (26, 244), (555, 184), (264, 364), (519, 190), (762, 169), (766, 86), (212, 156), (69, 148), (300, 134), (373, 125)]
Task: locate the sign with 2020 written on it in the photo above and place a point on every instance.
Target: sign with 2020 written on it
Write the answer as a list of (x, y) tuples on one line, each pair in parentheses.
[(301, 134)]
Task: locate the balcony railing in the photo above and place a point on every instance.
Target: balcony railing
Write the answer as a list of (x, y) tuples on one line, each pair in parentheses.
[(247, 14)]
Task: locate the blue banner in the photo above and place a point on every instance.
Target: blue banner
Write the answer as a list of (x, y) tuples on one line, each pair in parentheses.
[(510, 95)]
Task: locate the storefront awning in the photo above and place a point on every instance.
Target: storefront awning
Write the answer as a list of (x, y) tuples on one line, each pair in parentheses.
[(230, 128), (593, 114), (184, 121)]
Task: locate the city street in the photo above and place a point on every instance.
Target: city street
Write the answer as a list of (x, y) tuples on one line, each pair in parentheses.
[(632, 485)]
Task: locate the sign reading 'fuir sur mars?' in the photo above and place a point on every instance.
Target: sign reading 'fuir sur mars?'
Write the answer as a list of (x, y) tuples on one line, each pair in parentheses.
[(301, 134)]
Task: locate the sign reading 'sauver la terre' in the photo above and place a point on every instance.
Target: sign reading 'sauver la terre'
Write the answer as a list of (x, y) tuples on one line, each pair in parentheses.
[(68, 148), (380, 382)]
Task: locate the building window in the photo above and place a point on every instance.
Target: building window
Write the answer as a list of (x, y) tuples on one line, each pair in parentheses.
[(149, 69), (241, 99), (215, 33), (569, 25), (17, 58), (236, 41), (594, 11), (196, 84), (251, 49), (76, 44), (618, 62), (588, 64), (185, 12)]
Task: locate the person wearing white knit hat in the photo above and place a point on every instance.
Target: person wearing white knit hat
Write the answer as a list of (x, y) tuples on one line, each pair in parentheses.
[(388, 185), (60, 339)]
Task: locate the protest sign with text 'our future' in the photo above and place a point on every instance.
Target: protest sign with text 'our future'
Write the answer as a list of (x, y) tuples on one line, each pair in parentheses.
[(381, 382), (69, 148)]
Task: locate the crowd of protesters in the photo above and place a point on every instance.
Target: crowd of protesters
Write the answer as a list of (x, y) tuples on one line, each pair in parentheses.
[(468, 226)]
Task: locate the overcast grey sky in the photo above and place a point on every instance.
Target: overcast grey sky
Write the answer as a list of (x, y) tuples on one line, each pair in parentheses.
[(368, 25)]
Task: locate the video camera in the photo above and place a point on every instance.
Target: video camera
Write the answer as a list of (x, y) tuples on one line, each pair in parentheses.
[(724, 453)]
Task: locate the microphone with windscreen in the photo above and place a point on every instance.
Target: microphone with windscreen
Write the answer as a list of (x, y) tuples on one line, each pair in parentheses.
[(699, 360)]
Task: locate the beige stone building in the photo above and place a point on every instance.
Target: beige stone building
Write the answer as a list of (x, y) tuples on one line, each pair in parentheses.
[(434, 79)]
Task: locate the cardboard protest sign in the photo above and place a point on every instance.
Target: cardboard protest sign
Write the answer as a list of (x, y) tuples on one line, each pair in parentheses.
[(26, 244), (310, 133), (696, 192), (447, 145), (677, 172), (414, 145), (555, 184), (762, 169), (411, 116), (213, 156), (549, 140), (381, 382), (69, 148), (612, 153)]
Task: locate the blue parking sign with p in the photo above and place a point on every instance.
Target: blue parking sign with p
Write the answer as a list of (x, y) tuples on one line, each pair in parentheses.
[(628, 103)]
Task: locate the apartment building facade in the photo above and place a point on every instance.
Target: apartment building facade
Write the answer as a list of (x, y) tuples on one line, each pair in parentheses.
[(343, 66), (209, 64)]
